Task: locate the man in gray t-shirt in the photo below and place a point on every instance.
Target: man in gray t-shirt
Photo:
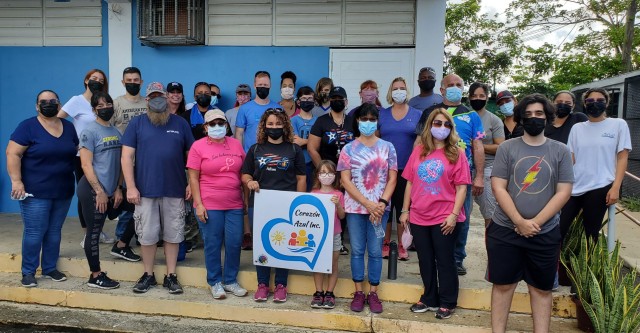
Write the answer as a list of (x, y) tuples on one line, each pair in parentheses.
[(532, 179)]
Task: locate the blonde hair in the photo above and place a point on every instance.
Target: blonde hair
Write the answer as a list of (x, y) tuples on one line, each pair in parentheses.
[(451, 149), (389, 96), (332, 168)]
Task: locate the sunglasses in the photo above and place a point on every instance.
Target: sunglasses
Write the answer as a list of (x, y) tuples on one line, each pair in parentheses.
[(274, 110), (217, 122), (439, 123), (593, 100)]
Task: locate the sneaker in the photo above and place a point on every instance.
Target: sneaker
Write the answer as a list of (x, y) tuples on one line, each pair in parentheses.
[(318, 300), (280, 294), (374, 302), (329, 300), (357, 304), (344, 251), (102, 281), (262, 293), (190, 246), (421, 307), (29, 281), (385, 250), (125, 253), (55, 275), (218, 291), (145, 283), (235, 289), (461, 269), (171, 282), (247, 242), (402, 253), (82, 243), (444, 313), (105, 239)]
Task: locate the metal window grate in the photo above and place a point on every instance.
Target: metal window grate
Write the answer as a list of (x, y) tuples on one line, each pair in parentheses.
[(171, 22)]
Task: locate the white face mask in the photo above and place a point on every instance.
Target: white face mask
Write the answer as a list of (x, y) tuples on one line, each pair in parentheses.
[(327, 179), (217, 131), (286, 93), (399, 96)]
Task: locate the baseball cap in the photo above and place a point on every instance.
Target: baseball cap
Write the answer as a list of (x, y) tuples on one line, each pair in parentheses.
[(243, 87), (155, 87), (213, 115), (338, 91), (504, 94), (427, 69), (173, 86)]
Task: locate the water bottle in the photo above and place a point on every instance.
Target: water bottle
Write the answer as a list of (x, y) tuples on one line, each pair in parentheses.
[(392, 271), (26, 195), (377, 227)]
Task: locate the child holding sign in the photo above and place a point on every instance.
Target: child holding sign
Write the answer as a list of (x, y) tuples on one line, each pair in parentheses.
[(326, 182)]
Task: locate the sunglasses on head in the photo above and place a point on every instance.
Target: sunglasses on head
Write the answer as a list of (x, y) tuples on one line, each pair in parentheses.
[(439, 123), (593, 100), (274, 110)]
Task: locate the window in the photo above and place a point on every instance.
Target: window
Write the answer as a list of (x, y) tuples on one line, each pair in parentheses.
[(171, 22)]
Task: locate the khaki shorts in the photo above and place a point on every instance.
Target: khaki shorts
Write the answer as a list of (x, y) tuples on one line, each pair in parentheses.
[(155, 215), (337, 242), (487, 201)]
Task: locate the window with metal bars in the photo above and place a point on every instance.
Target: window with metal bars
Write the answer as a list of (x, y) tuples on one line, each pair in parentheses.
[(171, 22)]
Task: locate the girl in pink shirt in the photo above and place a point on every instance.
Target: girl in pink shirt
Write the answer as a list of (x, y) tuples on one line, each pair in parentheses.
[(437, 175)]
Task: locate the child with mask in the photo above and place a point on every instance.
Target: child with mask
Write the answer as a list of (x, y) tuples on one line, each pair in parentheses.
[(302, 124)]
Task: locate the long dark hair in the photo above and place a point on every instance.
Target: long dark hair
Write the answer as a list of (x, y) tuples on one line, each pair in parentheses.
[(282, 116), (366, 109)]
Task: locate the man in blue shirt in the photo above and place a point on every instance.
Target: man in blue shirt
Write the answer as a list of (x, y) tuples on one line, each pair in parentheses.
[(250, 113)]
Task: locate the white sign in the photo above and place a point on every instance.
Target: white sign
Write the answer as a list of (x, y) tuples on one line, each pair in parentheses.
[(293, 230)]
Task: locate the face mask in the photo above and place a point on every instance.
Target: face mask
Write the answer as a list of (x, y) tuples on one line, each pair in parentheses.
[(440, 133), (478, 104), (369, 96), (327, 179), (262, 92), (274, 133), (158, 104), (286, 93), (426, 85), (49, 109), (105, 114), (307, 105), (399, 96), (214, 100), (324, 97), (507, 109), (203, 100), (337, 106), (132, 88), (533, 126), (217, 131), (242, 99), (94, 86), (453, 94), (562, 110), (595, 109), (367, 128)]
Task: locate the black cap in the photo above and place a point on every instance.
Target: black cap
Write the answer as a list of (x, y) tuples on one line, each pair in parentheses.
[(504, 94), (172, 86), (338, 91)]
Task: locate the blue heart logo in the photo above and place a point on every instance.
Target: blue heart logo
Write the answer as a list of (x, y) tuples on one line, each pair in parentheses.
[(307, 259)]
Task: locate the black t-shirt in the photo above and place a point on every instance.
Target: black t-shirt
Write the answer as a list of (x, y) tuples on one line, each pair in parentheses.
[(274, 166), (518, 131), (333, 137), (196, 130), (425, 114), (562, 133)]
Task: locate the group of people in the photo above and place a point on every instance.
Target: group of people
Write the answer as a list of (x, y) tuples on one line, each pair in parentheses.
[(421, 162)]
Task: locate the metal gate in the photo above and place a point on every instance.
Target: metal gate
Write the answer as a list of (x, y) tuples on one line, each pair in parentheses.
[(631, 113)]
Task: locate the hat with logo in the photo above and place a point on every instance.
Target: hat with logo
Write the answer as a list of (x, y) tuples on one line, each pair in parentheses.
[(173, 86), (338, 91), (155, 87), (428, 70)]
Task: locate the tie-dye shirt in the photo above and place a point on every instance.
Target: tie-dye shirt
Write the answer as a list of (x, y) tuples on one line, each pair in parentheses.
[(369, 168)]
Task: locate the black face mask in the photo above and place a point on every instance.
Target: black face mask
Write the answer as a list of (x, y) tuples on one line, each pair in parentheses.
[(49, 109), (307, 105), (274, 133), (262, 92), (324, 97), (337, 106), (105, 114), (534, 126), (562, 110), (94, 86), (595, 109), (132, 88), (426, 85), (478, 104), (203, 100)]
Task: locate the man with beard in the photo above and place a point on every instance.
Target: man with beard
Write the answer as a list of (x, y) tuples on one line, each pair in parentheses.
[(158, 142), (426, 82)]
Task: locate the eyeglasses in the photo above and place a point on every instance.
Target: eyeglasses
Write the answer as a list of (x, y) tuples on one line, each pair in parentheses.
[(439, 123), (325, 174), (593, 100), (306, 99), (48, 101)]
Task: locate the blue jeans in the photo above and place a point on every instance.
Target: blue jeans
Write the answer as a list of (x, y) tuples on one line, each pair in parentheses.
[(461, 241), (363, 237), (223, 226), (43, 219), (123, 220), (264, 272)]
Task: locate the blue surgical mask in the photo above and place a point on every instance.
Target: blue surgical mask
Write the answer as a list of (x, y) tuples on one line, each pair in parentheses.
[(507, 109), (214, 101), (367, 128), (217, 131), (453, 94)]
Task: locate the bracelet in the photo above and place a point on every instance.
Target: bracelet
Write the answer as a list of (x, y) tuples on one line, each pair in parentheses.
[(385, 202), (456, 215), (404, 211)]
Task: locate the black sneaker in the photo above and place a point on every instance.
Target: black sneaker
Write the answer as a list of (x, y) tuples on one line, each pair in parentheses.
[(145, 283), (329, 300), (29, 281), (344, 251), (55, 275), (421, 307), (444, 313), (125, 253), (171, 282), (102, 281), (190, 246), (461, 269), (317, 300)]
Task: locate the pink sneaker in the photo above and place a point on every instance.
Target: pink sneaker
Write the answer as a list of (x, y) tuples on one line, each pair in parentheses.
[(374, 303), (262, 293), (385, 250), (280, 294), (402, 253), (357, 304)]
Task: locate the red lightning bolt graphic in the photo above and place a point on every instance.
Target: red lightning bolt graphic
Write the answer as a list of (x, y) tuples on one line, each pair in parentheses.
[(530, 178)]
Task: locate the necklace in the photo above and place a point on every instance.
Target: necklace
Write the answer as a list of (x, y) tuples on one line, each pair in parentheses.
[(339, 133)]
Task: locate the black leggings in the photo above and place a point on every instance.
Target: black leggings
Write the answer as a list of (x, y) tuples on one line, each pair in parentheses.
[(77, 166), (397, 199), (593, 206)]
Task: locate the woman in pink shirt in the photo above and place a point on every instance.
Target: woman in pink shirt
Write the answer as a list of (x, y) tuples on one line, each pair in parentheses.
[(214, 175), (437, 176)]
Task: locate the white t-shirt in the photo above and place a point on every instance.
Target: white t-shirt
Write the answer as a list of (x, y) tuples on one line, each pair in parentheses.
[(80, 110), (595, 146)]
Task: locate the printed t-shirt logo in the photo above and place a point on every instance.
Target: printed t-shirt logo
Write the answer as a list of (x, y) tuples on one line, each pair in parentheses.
[(271, 161), (532, 174)]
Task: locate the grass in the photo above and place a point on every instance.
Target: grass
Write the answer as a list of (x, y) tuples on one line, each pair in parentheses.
[(631, 203)]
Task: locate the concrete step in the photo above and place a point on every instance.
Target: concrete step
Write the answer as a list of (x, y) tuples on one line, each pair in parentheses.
[(198, 303)]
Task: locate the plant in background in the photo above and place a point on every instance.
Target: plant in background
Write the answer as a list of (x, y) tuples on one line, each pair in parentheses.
[(631, 203)]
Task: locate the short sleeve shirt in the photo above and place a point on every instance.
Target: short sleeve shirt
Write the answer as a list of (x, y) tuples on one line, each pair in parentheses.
[(422, 103), (302, 128), (248, 118), (231, 115), (80, 110), (333, 138), (104, 142), (337, 228), (562, 133), (493, 128), (401, 133), (125, 110)]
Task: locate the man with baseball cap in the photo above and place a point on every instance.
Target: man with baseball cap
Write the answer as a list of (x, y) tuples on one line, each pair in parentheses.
[(507, 102), (426, 82), (158, 142)]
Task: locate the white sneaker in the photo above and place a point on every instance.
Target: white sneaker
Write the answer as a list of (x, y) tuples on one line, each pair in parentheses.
[(235, 289), (106, 239), (218, 292), (82, 242)]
